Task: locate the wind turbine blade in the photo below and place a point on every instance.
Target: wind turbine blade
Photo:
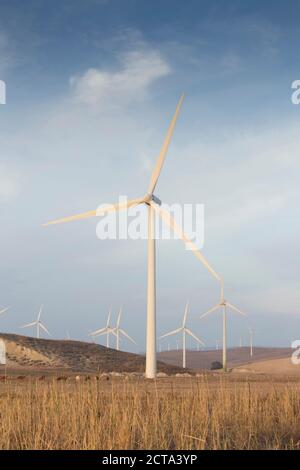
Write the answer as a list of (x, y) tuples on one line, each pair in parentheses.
[(174, 332), (98, 212), (236, 309), (103, 331), (4, 310), (108, 318), (44, 328), (98, 332), (189, 332), (119, 317), (175, 227), (185, 314), (210, 311), (164, 149), (28, 325), (126, 335), (40, 313)]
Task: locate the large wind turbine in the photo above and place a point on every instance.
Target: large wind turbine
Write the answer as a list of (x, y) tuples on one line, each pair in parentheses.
[(39, 325), (184, 330), (224, 304), (107, 330), (119, 331), (153, 205)]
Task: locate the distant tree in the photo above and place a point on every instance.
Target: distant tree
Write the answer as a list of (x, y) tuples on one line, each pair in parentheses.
[(216, 365)]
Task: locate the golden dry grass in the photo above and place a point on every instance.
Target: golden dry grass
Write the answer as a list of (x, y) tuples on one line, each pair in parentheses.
[(170, 414)]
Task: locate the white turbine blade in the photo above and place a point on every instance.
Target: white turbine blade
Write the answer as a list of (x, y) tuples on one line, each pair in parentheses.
[(164, 149), (107, 330), (185, 314), (189, 332), (4, 310), (44, 328), (104, 332), (98, 332), (236, 309), (126, 335), (108, 318), (173, 224), (222, 290), (28, 325), (210, 311), (119, 317), (174, 332), (40, 313), (97, 212)]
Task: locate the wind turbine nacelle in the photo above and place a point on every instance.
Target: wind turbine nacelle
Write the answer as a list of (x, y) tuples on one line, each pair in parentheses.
[(156, 200)]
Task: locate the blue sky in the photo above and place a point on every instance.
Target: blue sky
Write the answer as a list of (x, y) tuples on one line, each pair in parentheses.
[(91, 87)]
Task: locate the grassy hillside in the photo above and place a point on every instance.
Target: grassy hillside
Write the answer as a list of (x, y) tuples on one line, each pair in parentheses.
[(74, 356)]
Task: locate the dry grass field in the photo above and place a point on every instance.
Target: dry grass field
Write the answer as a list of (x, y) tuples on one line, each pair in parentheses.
[(43, 406), (206, 412)]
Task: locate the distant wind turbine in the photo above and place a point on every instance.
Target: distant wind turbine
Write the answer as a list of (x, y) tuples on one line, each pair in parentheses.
[(223, 304), (184, 330), (39, 325), (107, 330), (153, 205), (119, 331)]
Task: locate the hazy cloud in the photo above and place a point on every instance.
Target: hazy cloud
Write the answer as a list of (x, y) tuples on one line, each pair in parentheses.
[(9, 183), (137, 71)]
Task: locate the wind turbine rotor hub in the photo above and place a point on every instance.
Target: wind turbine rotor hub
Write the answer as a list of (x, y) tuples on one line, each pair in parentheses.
[(147, 198), (150, 197)]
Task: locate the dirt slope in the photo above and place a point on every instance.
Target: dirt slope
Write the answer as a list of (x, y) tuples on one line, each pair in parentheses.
[(31, 354)]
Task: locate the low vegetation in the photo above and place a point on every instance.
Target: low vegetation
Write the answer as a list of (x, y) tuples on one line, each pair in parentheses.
[(172, 413)]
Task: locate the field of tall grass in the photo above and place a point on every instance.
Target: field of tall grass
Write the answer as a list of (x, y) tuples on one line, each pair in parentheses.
[(141, 415)]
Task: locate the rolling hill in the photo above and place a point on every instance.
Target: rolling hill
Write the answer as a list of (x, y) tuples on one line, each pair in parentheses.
[(36, 355), (200, 360), (282, 366)]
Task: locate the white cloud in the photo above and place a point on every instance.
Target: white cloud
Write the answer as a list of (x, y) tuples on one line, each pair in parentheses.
[(248, 175), (138, 70)]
